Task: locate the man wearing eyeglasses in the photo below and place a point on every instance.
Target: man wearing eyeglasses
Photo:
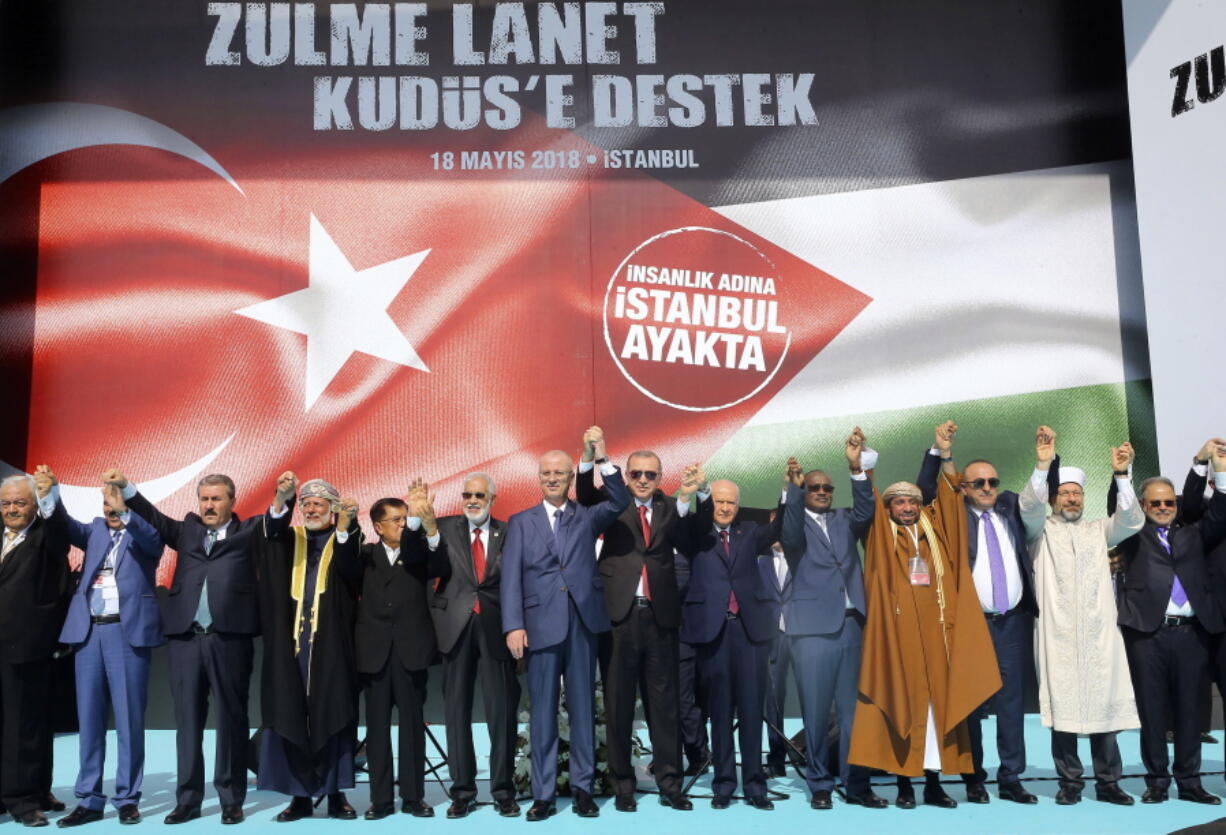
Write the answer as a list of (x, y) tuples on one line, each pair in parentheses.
[(553, 608), (1084, 683), (33, 582), (640, 589), (824, 614), (467, 617), (1004, 582), (1168, 616)]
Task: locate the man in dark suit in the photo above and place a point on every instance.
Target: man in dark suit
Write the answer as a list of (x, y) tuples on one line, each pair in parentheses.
[(395, 644), (467, 614), (779, 666), (1004, 582), (113, 622), (729, 619), (553, 608), (1169, 615), (824, 615), (640, 590), (33, 583), (211, 616)]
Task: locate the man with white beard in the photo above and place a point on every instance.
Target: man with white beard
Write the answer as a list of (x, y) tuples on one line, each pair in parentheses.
[(467, 616), (1084, 684)]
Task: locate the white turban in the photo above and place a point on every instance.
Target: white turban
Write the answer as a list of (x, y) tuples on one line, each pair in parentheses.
[(1072, 475)]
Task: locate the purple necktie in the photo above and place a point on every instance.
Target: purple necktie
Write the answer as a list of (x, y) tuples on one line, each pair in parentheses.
[(1178, 596), (996, 562)]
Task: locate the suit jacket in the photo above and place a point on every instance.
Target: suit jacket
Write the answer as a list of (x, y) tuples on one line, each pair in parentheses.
[(451, 603), (1149, 571), (541, 574), (393, 611), (1192, 507), (229, 568), (825, 571), (624, 554), (33, 590), (713, 575), (1007, 509), (135, 570)]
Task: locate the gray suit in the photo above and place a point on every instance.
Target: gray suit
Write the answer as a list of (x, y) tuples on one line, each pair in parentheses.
[(472, 644)]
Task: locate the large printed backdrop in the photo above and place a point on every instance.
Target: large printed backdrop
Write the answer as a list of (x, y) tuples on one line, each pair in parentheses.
[(205, 281)]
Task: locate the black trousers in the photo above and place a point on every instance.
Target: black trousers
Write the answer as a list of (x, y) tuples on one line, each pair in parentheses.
[(218, 664), (1012, 638), (1169, 670), (639, 650), (780, 662), (693, 708), (25, 734), (395, 686), (1105, 751), (470, 658)]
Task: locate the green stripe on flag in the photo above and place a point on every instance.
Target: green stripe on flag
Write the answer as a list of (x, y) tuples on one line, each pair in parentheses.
[(1088, 421)]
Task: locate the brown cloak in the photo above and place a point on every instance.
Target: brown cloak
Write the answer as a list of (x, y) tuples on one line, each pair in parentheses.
[(907, 663)]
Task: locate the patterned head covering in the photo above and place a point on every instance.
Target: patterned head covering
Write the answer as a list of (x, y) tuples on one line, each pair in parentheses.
[(317, 488), (902, 488), (1074, 475)]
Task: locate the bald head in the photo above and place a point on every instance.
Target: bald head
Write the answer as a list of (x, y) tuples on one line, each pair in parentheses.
[(556, 470), (726, 497)]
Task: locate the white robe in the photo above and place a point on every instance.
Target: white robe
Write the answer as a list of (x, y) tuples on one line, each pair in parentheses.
[(1084, 684)]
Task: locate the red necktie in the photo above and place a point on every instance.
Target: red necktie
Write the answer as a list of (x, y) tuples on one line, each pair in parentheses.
[(478, 564), (733, 606), (646, 540)]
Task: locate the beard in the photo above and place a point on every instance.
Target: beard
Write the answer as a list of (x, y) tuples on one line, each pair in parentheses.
[(316, 524), (477, 517), (1070, 515)]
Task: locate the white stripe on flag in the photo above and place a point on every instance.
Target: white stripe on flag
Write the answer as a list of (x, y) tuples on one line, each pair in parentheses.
[(984, 287)]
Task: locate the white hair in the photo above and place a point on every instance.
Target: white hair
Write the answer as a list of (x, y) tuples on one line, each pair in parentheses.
[(21, 478), (491, 488)]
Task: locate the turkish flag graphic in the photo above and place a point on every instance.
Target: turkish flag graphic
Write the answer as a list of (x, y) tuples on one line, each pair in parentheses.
[(365, 318)]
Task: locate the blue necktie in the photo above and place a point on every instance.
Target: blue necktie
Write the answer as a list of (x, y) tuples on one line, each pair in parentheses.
[(203, 616), (1178, 596)]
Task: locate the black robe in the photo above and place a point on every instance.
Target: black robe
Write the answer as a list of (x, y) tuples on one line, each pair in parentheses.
[(308, 699)]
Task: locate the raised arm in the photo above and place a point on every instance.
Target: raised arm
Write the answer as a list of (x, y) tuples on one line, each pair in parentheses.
[(1128, 518), (1213, 523), (605, 513), (863, 507), (167, 528), (792, 532), (149, 543), (1032, 500)]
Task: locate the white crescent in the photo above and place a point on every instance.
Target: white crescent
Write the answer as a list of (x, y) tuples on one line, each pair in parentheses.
[(34, 132)]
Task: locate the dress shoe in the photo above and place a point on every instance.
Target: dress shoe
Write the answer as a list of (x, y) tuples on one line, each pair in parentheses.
[(540, 810), (232, 814), (129, 814), (507, 807), (583, 805), (340, 809), (1014, 791), (50, 803), (1112, 794), (79, 816), (1207, 738), (34, 817), (1197, 794), (760, 802), (821, 800), (1068, 796), (721, 801), (869, 800), (418, 809), (460, 808), (677, 801), (182, 814), (1153, 794), (906, 798), (625, 803), (977, 793), (298, 808), (379, 811), (936, 796), (775, 769), (699, 766)]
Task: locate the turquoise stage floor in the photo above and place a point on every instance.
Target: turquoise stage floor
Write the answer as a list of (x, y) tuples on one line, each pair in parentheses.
[(792, 814)]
